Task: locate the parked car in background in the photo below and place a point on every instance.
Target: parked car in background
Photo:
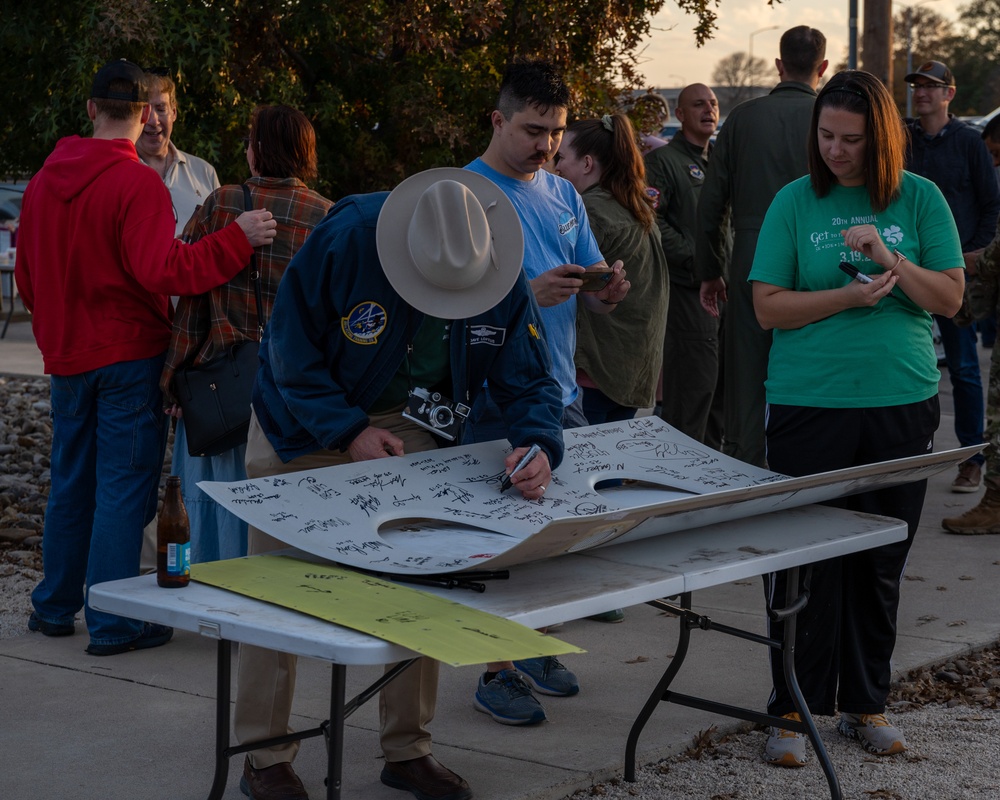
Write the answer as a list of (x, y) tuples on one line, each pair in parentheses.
[(980, 122), (11, 195), (668, 130)]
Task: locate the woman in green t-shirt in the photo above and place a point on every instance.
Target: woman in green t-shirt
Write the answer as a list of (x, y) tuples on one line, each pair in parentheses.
[(852, 379)]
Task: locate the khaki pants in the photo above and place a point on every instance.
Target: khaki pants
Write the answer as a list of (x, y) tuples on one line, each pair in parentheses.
[(266, 678)]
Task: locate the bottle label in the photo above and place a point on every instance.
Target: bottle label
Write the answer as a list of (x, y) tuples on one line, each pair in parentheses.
[(179, 559)]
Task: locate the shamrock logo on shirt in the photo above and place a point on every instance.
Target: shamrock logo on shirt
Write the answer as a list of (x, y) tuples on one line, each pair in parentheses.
[(893, 235)]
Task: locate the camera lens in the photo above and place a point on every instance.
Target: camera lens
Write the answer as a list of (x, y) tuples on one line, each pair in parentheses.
[(441, 416)]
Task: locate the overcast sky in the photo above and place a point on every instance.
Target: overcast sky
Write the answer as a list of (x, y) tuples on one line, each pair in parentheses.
[(671, 58)]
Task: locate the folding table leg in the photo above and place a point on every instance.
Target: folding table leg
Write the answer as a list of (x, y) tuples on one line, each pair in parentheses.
[(332, 729), (792, 682), (335, 732), (657, 694), (223, 685), (794, 602)]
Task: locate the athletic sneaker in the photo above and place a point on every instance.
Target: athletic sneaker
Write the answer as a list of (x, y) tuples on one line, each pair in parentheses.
[(786, 748), (548, 676), (876, 734), (508, 699)]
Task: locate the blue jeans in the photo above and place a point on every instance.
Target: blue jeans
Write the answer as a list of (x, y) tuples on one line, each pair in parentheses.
[(598, 407), (962, 357), (216, 534), (108, 438)]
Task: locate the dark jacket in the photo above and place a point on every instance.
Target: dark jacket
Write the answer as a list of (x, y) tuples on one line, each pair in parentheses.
[(675, 174), (959, 163), (761, 147), (338, 333)]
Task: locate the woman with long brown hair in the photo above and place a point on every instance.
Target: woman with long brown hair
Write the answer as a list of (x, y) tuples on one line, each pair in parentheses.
[(618, 355)]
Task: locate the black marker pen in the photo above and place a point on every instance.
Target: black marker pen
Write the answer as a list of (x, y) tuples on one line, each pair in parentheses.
[(855, 273), (859, 276)]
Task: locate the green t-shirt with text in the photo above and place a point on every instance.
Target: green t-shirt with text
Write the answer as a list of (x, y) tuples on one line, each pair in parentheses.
[(860, 357)]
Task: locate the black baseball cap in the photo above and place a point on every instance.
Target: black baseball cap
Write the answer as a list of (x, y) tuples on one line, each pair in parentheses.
[(124, 71), (934, 71)]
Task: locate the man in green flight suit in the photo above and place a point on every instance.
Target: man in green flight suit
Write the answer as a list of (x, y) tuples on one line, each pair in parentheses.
[(762, 146), (675, 174)]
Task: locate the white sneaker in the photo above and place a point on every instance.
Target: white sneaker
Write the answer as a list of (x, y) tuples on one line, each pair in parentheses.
[(876, 734), (786, 748)]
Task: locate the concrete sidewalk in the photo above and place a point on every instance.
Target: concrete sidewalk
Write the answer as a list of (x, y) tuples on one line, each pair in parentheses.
[(18, 353), (142, 724)]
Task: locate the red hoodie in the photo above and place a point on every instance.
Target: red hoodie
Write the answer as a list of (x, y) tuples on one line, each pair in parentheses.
[(97, 259)]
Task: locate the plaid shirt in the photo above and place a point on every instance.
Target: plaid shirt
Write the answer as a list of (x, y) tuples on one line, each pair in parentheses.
[(206, 325)]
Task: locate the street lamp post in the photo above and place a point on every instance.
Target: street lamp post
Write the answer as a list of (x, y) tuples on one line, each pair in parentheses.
[(750, 49)]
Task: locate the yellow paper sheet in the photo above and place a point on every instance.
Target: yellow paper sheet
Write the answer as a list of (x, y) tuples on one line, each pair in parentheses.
[(440, 629)]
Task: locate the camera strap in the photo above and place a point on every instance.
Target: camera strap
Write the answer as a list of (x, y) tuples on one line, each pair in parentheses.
[(420, 338), (406, 366)]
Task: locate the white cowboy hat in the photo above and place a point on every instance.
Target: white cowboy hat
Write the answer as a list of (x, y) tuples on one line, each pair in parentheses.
[(450, 242)]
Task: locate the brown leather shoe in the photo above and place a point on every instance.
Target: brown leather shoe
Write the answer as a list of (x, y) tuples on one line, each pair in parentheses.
[(969, 478), (427, 778), (278, 782)]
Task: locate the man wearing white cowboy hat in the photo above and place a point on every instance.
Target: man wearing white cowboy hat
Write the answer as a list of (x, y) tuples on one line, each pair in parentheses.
[(392, 297)]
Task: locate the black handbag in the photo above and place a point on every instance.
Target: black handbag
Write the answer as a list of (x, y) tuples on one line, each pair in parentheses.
[(215, 396)]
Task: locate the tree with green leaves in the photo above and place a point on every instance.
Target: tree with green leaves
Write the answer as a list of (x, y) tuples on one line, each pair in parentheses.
[(976, 57), (391, 87)]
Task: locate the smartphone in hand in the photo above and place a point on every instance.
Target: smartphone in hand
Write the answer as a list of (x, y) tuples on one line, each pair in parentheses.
[(595, 278)]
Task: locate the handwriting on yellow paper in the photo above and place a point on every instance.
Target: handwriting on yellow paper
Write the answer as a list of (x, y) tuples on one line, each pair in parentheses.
[(441, 629)]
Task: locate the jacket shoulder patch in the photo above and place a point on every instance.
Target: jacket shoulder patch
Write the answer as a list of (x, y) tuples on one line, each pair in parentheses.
[(364, 323)]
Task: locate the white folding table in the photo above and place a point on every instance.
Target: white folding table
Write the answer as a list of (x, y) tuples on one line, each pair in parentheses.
[(536, 594)]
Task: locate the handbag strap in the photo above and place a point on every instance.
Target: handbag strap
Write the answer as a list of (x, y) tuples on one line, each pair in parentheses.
[(255, 271)]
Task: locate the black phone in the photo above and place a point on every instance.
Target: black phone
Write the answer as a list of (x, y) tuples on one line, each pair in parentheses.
[(595, 279)]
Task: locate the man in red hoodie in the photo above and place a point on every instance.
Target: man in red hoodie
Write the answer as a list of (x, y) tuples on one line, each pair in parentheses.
[(97, 261)]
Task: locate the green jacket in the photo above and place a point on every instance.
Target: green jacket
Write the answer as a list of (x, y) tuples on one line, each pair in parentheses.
[(761, 147), (621, 352), (675, 175)]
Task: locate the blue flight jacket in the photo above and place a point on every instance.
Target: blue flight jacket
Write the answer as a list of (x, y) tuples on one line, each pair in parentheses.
[(338, 333)]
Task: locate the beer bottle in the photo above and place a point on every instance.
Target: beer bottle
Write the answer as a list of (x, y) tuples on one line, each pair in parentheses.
[(173, 539)]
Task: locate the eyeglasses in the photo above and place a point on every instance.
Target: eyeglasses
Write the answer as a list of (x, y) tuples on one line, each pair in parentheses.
[(161, 71), (916, 86)]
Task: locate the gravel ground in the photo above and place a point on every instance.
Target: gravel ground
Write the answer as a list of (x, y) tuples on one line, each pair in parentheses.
[(950, 712), (953, 755), (25, 444), (25, 447)]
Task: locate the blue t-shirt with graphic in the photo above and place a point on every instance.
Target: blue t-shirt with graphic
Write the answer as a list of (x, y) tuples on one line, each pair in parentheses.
[(556, 231)]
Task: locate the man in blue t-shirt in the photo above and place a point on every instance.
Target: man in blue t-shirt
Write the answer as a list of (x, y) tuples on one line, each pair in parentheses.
[(528, 124)]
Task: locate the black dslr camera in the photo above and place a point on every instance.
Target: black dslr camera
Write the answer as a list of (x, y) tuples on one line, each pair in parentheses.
[(434, 411)]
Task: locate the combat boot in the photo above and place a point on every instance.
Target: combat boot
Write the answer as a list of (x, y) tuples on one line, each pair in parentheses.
[(984, 518)]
